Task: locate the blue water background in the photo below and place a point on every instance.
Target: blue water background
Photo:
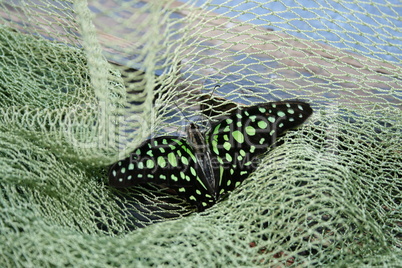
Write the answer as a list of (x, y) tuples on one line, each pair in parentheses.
[(367, 27)]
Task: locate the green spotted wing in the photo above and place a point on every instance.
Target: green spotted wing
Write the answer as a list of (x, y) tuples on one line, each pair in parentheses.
[(203, 167), (237, 140), (168, 161)]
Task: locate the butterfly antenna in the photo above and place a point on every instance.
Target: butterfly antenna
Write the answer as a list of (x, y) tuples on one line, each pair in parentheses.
[(183, 114), (210, 98), (181, 110)]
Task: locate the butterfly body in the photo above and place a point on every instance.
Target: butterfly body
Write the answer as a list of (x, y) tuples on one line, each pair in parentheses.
[(204, 158), (206, 166)]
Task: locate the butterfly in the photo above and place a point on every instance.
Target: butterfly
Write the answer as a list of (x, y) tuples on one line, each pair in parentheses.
[(206, 166)]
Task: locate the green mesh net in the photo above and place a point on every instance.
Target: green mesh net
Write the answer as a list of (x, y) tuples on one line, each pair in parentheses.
[(83, 84)]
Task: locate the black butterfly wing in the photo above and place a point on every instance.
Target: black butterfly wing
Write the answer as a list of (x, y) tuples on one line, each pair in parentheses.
[(167, 161), (237, 140)]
